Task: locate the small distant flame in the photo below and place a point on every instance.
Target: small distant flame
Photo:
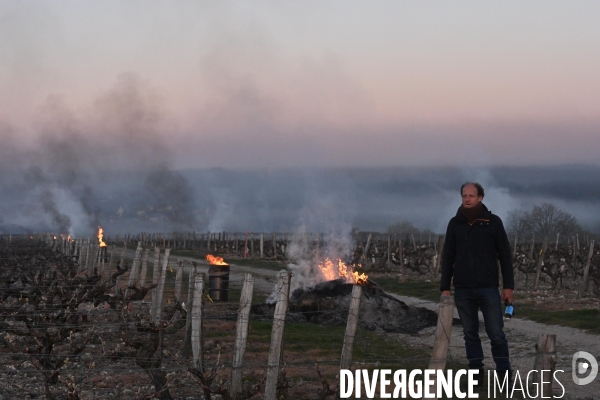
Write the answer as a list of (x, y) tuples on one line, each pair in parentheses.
[(215, 260), (100, 237), (332, 271)]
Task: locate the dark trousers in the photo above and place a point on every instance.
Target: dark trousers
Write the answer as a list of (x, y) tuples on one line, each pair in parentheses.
[(468, 302)]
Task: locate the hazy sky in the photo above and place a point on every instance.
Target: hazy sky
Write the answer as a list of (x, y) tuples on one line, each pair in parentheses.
[(348, 83)]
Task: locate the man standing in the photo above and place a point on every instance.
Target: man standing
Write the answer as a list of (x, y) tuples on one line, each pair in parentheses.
[(475, 241)]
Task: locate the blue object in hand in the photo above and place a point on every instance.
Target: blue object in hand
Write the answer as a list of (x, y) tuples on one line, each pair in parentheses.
[(509, 311)]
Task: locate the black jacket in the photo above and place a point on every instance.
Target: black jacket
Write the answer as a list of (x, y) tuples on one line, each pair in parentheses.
[(471, 253)]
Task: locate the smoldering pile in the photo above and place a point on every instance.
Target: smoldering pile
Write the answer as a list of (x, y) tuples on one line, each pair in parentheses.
[(327, 303)]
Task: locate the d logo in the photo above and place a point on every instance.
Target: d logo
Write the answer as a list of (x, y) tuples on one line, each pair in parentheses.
[(582, 367)]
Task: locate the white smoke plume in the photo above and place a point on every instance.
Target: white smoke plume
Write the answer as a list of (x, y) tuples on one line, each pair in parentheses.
[(498, 198), (307, 250)]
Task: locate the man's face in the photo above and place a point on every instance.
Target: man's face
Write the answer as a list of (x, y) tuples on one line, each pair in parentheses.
[(470, 198)]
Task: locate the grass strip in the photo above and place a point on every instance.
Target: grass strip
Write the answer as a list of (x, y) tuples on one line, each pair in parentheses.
[(586, 319), (327, 341), (422, 290)]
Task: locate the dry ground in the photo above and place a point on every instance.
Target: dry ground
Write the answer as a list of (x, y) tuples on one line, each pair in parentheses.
[(106, 378)]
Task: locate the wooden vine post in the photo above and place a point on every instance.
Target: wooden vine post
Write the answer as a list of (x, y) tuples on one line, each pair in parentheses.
[(161, 287), (389, 250), (241, 335), (178, 280), (441, 343), (539, 263), (155, 277), (262, 244), (545, 359), (586, 271), (366, 251), (134, 268), (438, 259), (276, 348), (144, 272), (351, 326), (401, 257), (187, 341), (197, 322)]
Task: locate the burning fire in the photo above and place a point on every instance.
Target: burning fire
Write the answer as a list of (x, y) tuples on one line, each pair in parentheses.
[(100, 237), (215, 260), (360, 279), (332, 271)]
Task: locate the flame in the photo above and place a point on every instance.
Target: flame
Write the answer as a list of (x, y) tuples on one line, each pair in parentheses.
[(215, 260), (327, 269), (342, 268), (100, 236), (359, 279), (331, 271)]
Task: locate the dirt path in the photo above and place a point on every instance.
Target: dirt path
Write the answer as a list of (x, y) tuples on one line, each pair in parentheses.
[(264, 279), (522, 336)]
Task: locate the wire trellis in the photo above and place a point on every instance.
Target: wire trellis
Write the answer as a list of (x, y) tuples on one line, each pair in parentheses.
[(108, 365)]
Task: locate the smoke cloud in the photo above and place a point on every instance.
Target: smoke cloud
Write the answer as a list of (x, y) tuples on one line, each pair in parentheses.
[(170, 192), (71, 169), (111, 163)]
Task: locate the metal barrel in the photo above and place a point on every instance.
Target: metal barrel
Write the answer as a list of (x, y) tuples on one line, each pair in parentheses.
[(218, 282)]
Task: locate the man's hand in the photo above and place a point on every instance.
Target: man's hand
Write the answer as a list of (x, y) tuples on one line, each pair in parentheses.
[(507, 294), (446, 293)]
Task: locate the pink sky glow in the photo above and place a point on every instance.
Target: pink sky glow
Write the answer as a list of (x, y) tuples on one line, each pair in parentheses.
[(254, 84)]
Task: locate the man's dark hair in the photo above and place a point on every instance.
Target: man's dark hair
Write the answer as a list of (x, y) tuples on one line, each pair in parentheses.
[(477, 185)]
